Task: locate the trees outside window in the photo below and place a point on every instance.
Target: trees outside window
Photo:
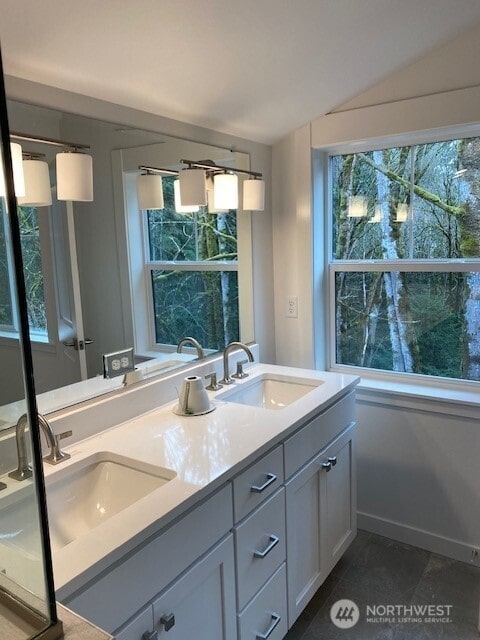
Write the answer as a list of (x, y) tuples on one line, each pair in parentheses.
[(33, 273), (193, 269), (405, 264)]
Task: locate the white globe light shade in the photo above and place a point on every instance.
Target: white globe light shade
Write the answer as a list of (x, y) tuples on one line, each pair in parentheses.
[(193, 187), (150, 191), (179, 207), (225, 191), (74, 177), (253, 195), (37, 184)]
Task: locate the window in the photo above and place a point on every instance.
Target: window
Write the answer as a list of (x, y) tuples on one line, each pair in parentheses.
[(192, 270), (405, 267), (33, 274)]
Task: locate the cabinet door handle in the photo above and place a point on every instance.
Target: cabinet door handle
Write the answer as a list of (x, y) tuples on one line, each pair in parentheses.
[(327, 466), (333, 460), (150, 635), (168, 621), (275, 620), (273, 542), (271, 477)]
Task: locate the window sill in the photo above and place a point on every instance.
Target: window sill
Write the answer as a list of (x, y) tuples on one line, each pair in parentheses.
[(11, 336), (420, 396)]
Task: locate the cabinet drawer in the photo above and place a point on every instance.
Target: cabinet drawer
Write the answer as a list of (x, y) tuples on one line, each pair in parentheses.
[(260, 546), (257, 482), (266, 616), (144, 573), (318, 433)]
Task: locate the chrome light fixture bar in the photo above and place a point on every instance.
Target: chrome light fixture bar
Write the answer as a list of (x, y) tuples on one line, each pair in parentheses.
[(74, 171)]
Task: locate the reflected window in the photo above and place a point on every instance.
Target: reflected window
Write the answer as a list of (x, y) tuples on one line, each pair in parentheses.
[(33, 274), (192, 266), (405, 259)]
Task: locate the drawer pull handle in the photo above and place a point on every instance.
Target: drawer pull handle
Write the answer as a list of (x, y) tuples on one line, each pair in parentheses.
[(275, 620), (168, 621), (327, 466), (271, 477), (333, 460), (150, 635), (273, 542)]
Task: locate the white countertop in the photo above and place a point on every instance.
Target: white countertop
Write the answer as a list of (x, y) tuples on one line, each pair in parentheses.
[(203, 451)]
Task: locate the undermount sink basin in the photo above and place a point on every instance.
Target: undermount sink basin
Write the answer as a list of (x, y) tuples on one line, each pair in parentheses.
[(86, 493), (270, 391)]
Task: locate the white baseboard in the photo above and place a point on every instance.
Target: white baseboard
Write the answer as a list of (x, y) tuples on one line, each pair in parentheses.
[(417, 537)]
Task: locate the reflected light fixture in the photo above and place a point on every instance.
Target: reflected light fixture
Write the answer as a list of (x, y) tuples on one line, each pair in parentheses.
[(225, 191), (402, 212), (150, 191), (253, 195), (74, 168), (377, 217), (179, 207), (193, 187), (38, 191), (357, 207), (74, 176), (225, 187), (17, 168)]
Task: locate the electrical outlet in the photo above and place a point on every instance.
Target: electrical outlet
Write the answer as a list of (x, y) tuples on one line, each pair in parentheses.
[(292, 307), (118, 363)]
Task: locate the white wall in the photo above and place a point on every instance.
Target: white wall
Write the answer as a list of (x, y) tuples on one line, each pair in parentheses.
[(418, 462)]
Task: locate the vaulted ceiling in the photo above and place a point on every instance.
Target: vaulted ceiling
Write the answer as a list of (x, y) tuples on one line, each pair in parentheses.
[(253, 68)]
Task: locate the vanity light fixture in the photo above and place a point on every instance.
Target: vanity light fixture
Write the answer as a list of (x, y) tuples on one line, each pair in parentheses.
[(37, 181), (150, 191), (74, 168), (225, 189), (357, 207)]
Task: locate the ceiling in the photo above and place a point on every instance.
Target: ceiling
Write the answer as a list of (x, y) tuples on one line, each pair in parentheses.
[(253, 68)]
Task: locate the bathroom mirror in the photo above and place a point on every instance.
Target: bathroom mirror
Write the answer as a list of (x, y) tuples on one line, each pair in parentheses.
[(27, 602), (85, 261)]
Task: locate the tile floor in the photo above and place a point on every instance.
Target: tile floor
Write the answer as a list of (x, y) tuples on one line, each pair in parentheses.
[(380, 571)]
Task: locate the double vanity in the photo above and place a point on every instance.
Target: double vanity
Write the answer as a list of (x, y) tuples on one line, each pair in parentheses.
[(220, 525)]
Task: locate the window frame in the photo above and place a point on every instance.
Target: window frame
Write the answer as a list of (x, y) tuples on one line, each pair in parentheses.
[(332, 265), (140, 268)]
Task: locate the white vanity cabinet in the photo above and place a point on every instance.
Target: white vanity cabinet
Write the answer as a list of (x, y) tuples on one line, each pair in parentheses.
[(245, 562), (321, 519)]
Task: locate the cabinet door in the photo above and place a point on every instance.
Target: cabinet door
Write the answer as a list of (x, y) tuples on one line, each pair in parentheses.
[(305, 571), (139, 627), (200, 604), (321, 522), (339, 509)]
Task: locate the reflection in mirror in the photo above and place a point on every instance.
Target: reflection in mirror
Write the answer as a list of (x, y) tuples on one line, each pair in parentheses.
[(27, 607), (104, 276)]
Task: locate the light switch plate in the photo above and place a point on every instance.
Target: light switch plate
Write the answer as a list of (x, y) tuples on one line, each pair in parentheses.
[(118, 363)]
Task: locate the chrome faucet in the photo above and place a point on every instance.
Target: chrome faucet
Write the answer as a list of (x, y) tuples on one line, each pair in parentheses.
[(233, 346), (196, 344), (56, 455)]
